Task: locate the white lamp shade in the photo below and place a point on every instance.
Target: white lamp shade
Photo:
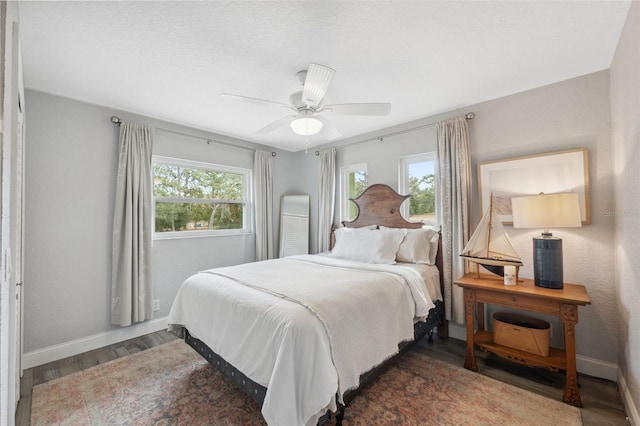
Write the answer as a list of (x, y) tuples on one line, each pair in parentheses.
[(306, 126), (546, 211)]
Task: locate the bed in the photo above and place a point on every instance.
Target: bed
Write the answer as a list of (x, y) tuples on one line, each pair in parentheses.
[(304, 334)]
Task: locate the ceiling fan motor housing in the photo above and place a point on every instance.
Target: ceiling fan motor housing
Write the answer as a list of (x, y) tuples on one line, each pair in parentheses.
[(296, 100), (302, 76)]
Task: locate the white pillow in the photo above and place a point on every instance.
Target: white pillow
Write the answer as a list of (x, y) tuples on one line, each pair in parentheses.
[(366, 245), (343, 229), (418, 246), (340, 231)]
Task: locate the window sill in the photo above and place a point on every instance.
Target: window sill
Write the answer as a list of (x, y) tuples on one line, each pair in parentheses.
[(159, 236)]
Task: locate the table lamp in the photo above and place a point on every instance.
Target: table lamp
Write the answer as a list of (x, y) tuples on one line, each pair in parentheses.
[(547, 211)]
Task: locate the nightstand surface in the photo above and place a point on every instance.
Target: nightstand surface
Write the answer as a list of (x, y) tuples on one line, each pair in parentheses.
[(571, 293)]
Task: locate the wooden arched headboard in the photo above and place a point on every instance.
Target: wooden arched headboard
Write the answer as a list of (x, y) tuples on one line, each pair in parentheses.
[(380, 205)]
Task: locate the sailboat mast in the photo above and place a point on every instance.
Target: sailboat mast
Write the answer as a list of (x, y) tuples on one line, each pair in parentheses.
[(490, 217)]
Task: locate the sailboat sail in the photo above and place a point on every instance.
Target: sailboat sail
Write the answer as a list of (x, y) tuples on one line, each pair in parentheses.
[(490, 244)]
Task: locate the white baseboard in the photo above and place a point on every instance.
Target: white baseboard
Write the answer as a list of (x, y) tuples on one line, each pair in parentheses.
[(630, 407), (590, 366), (89, 343), (596, 368)]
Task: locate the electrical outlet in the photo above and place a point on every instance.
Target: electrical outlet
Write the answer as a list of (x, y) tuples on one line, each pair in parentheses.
[(156, 305)]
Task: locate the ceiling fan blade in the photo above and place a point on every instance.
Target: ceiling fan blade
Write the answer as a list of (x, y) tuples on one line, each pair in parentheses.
[(328, 129), (316, 83), (359, 109), (256, 101), (276, 125)]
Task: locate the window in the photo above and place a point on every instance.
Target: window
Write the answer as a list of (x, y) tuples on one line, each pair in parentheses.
[(418, 178), (353, 180), (197, 199)]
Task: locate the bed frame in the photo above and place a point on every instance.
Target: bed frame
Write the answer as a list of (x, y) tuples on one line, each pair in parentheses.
[(378, 205)]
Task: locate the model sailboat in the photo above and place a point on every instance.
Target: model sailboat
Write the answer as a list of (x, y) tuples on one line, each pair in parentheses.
[(490, 245)]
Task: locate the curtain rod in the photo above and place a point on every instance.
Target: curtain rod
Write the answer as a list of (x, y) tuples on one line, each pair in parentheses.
[(468, 116), (118, 121)]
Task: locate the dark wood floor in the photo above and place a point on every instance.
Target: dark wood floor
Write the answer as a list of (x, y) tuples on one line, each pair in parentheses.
[(602, 403)]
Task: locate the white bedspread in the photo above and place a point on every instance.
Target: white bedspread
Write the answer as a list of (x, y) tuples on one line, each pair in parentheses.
[(305, 327)]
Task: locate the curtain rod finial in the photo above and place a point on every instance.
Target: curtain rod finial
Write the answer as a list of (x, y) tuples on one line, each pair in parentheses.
[(470, 115), (115, 120)]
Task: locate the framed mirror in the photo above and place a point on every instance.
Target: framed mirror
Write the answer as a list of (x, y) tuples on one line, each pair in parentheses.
[(294, 225)]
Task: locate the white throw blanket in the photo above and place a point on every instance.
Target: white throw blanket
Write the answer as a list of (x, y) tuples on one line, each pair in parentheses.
[(330, 297), (364, 311)]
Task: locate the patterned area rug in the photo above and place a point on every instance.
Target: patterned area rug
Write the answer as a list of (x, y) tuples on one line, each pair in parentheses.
[(173, 385)]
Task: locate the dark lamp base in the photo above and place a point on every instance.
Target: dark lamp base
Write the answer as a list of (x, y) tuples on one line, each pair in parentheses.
[(547, 262)]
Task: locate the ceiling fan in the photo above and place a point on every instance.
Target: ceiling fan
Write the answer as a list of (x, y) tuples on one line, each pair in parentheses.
[(308, 105)]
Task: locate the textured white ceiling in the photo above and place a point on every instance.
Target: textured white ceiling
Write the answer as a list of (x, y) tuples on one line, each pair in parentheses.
[(172, 59)]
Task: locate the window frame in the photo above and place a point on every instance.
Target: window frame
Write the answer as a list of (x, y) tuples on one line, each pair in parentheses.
[(403, 183), (247, 200), (344, 187)]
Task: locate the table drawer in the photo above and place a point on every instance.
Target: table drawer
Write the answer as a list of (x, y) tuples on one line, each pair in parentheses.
[(519, 301)]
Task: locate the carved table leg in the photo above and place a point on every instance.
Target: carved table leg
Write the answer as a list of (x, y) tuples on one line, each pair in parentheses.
[(480, 316), (569, 315), (470, 357)]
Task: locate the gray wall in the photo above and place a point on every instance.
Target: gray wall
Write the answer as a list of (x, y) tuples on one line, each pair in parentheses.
[(625, 115), (382, 157), (381, 151), (71, 165), (570, 114)]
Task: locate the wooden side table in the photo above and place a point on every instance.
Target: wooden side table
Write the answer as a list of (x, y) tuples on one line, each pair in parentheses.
[(562, 303)]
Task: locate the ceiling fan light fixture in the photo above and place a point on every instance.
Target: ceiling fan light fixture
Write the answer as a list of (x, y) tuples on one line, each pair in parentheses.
[(306, 126)]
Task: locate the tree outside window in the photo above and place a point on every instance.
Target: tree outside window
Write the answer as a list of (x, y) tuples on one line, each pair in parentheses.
[(353, 181), (417, 177), (199, 197)]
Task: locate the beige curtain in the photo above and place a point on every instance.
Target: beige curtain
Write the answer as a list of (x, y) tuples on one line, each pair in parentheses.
[(131, 300), (326, 197), (455, 200), (263, 184)]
